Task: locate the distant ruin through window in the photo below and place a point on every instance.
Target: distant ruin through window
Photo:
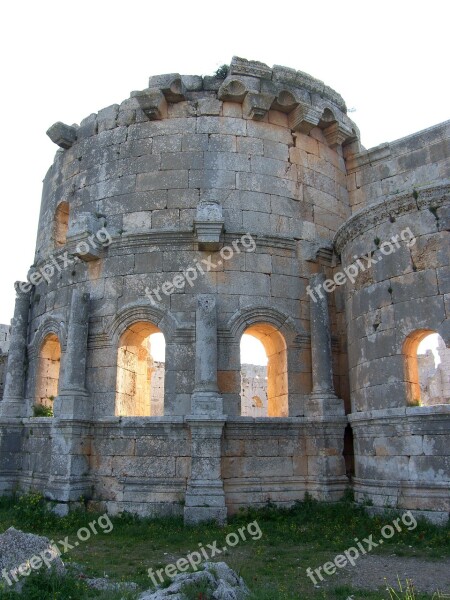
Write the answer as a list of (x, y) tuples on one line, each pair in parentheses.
[(140, 371), (61, 224), (427, 368), (264, 391), (49, 362)]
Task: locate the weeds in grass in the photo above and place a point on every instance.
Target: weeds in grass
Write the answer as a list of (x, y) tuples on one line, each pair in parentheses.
[(198, 590)]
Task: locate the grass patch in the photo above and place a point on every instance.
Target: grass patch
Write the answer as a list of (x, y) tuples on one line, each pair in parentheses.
[(273, 566)]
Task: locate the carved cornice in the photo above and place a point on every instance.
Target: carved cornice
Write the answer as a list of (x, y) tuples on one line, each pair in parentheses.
[(367, 218), (307, 101)]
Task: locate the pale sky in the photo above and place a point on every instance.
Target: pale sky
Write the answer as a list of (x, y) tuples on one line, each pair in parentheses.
[(62, 61)]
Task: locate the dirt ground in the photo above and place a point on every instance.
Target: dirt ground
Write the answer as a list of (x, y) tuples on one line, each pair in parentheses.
[(370, 572)]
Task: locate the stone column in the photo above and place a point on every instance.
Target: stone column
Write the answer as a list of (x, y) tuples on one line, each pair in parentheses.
[(12, 404), (73, 399), (205, 399), (323, 399), (205, 498), (69, 467), (12, 407)]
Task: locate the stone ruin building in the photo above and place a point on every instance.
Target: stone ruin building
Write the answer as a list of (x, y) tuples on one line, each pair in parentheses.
[(262, 174)]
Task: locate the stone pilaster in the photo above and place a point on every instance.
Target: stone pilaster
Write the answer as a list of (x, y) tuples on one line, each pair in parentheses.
[(73, 399), (323, 400), (205, 498), (69, 468), (12, 404), (206, 399)]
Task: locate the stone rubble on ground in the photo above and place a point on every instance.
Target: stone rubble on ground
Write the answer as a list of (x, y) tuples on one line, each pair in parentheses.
[(224, 582)]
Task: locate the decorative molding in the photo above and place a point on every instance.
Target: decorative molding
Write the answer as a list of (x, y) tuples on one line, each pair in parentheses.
[(142, 310), (54, 324), (251, 315), (370, 216)]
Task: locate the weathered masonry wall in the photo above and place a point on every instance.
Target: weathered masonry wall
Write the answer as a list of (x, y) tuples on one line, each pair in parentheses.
[(257, 185), (4, 347), (391, 169), (399, 447)]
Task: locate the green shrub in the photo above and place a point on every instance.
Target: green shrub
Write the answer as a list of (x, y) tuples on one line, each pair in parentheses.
[(222, 72), (39, 410)]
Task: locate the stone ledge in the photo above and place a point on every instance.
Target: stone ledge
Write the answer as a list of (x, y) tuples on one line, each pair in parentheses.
[(435, 195)]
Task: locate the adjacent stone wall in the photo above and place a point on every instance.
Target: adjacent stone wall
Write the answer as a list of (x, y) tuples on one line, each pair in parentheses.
[(394, 168), (254, 390), (4, 347), (404, 292), (435, 380), (280, 460)]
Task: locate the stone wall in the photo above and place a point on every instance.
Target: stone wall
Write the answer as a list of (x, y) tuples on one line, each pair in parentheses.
[(254, 390), (405, 292), (394, 168), (258, 185), (435, 380), (4, 347)]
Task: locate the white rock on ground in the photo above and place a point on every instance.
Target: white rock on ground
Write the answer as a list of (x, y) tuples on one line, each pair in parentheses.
[(223, 582), (18, 548)]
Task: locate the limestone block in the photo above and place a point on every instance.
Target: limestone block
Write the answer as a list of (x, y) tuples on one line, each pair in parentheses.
[(192, 83), (162, 180), (88, 127), (429, 468), (257, 105), (276, 150), (250, 145), (62, 135), (167, 143), (151, 446), (211, 179), (137, 221), (209, 106), (223, 125), (231, 109), (171, 85), (181, 160), (182, 109), (252, 68), (193, 142), (418, 284), (219, 143), (212, 83), (228, 161), (268, 131), (152, 102), (107, 117)]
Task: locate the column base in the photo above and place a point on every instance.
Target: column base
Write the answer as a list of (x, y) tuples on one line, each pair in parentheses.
[(12, 408), (206, 403), (205, 501), (323, 405), (73, 404)]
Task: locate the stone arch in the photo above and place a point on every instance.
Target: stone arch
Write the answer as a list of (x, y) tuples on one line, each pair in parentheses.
[(279, 334), (136, 391), (277, 367), (416, 383), (162, 321), (61, 224), (246, 317), (49, 363), (137, 311), (411, 367), (50, 325)]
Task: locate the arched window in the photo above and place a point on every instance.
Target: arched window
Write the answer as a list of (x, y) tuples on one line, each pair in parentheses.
[(140, 371), (427, 363), (264, 384), (49, 362), (61, 224)]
